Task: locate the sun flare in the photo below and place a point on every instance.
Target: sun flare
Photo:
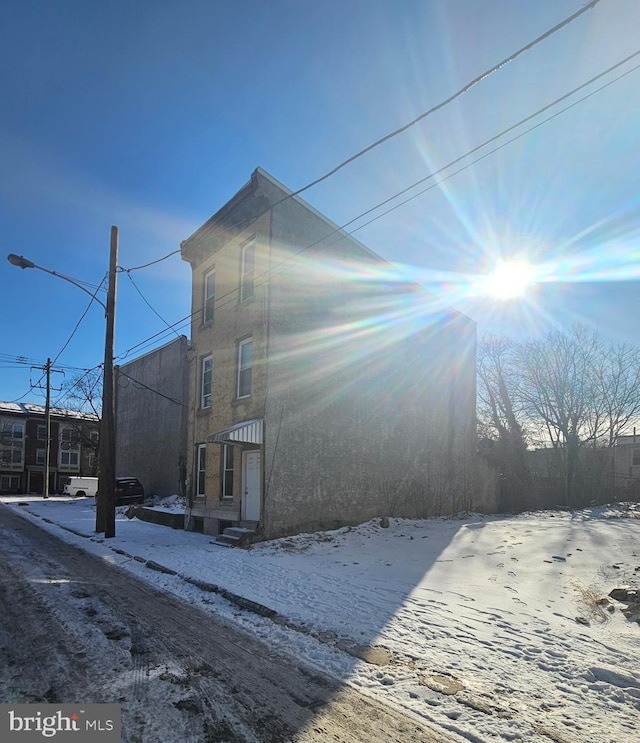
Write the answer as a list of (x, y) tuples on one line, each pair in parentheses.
[(509, 280)]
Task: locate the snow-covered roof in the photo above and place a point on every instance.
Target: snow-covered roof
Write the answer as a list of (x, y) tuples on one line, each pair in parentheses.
[(27, 408)]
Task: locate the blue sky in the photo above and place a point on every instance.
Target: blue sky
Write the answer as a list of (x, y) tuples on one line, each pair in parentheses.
[(150, 115)]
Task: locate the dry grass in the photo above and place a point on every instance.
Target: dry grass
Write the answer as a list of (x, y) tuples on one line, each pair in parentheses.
[(592, 601)]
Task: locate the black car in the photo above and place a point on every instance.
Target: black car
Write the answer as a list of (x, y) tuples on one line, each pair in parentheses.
[(128, 490)]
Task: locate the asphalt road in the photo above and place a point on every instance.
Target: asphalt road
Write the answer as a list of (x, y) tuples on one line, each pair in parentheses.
[(75, 629)]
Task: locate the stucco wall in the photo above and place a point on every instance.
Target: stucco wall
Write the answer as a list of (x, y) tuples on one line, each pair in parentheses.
[(371, 392), (151, 430)]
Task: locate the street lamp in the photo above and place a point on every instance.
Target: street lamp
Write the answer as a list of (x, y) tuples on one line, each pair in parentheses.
[(105, 500)]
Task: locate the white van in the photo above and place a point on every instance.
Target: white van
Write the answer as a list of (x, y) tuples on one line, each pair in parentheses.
[(81, 486)]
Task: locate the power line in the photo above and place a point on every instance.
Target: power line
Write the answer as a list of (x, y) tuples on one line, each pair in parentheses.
[(142, 385), (482, 157), (230, 294), (341, 228), (67, 392), (144, 299), (455, 95), (73, 332), (483, 76)]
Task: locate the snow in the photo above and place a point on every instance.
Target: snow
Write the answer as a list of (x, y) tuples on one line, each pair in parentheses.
[(488, 627)]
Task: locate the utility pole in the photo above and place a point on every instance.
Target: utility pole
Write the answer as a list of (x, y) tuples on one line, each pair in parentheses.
[(105, 503), (47, 421)]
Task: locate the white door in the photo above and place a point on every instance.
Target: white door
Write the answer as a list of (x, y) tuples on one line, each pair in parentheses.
[(251, 485)]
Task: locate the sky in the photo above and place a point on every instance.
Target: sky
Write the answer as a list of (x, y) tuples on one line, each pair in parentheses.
[(491, 628), (151, 115)]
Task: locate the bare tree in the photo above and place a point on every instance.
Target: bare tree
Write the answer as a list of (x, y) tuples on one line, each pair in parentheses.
[(618, 384), (557, 387), (505, 446), (84, 392)]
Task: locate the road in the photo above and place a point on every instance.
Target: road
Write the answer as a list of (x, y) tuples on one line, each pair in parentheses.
[(75, 629)]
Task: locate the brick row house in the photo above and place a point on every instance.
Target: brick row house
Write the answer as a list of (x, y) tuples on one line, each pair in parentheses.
[(324, 388), (23, 441)]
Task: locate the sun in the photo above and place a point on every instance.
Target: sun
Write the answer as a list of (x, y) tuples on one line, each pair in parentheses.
[(509, 280)]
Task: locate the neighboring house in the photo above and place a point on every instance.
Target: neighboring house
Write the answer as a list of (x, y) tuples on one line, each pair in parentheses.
[(151, 418), (23, 440), (626, 461), (324, 389)]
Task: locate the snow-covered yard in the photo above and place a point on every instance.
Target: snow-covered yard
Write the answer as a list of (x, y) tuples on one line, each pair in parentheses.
[(494, 628)]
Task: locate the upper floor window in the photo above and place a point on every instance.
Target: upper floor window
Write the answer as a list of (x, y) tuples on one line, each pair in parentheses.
[(40, 456), (247, 276), (245, 363), (207, 375), (42, 433), (636, 457), (69, 437), (11, 445), (94, 436), (209, 296), (12, 431), (69, 459)]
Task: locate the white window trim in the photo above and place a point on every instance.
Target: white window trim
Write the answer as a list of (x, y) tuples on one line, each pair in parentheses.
[(201, 467), (226, 449), (205, 399), (241, 345), (12, 440)]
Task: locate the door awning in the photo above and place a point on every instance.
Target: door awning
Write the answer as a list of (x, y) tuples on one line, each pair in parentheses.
[(246, 432)]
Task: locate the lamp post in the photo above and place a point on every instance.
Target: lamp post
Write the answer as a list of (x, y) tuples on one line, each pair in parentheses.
[(105, 500)]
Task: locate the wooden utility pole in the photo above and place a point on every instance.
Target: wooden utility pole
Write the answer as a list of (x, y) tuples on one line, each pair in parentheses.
[(47, 420), (47, 423), (105, 502)]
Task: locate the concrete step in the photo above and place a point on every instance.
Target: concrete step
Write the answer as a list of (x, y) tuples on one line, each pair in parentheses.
[(232, 535), (237, 531), (226, 540)]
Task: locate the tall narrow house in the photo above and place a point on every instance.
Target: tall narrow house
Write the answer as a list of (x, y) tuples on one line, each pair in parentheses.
[(324, 390)]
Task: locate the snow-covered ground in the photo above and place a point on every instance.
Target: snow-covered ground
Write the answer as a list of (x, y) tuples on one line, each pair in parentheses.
[(489, 627)]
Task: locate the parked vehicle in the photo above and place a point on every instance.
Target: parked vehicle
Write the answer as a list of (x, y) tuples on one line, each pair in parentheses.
[(81, 486), (128, 490)]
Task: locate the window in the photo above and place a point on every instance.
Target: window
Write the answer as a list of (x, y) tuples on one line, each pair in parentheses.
[(10, 483), (202, 461), (227, 471), (11, 445), (209, 296), (42, 433), (248, 270), (69, 437), (207, 373), (69, 456), (12, 431), (69, 459), (94, 436), (40, 456), (91, 461), (636, 458), (11, 458), (245, 361)]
